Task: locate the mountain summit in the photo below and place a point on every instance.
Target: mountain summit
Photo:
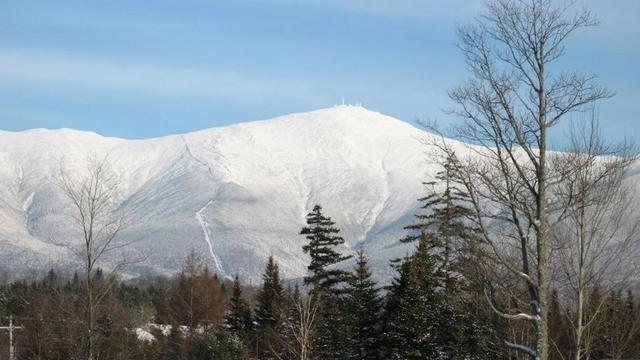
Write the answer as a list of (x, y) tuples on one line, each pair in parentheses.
[(235, 194)]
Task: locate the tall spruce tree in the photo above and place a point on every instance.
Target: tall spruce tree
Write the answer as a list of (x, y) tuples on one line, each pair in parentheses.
[(239, 319), (323, 239), (424, 320), (270, 312), (363, 310), (446, 254), (410, 320), (445, 220), (327, 284)]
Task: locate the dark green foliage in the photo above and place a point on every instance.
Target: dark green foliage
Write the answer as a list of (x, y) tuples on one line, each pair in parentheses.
[(416, 319), (270, 298), (446, 221), (411, 311), (466, 333), (239, 318), (431, 308), (327, 284), (424, 320), (363, 309), (323, 239), (220, 345), (270, 313)]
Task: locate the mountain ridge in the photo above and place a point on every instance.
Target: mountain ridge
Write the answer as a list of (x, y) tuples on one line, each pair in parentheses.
[(235, 194), (286, 118)]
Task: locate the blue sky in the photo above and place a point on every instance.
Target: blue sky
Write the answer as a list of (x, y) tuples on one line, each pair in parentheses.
[(139, 69)]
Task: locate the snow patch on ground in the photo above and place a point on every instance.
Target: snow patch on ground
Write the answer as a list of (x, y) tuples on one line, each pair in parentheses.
[(145, 333), (207, 238)]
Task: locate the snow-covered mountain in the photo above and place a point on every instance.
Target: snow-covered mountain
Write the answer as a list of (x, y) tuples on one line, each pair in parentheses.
[(235, 194)]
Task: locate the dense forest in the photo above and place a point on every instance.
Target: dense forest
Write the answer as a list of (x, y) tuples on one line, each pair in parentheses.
[(435, 308)]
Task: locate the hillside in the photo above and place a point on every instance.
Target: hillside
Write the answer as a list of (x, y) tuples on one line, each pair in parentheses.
[(235, 194)]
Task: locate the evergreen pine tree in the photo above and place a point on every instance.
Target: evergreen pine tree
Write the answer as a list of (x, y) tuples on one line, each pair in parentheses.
[(441, 277), (410, 320), (617, 329), (75, 283), (323, 238), (445, 220), (51, 278), (327, 284), (270, 311), (422, 320), (293, 298), (239, 319), (363, 307)]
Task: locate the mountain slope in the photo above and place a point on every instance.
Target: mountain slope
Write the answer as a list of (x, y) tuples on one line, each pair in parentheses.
[(235, 194)]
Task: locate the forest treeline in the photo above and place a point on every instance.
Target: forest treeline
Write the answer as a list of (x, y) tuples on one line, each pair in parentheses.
[(435, 308)]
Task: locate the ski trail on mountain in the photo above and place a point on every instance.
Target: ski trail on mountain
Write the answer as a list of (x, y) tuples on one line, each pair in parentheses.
[(25, 209), (207, 238), (217, 261), (365, 167)]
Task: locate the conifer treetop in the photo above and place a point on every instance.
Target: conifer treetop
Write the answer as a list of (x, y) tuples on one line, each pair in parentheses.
[(322, 239)]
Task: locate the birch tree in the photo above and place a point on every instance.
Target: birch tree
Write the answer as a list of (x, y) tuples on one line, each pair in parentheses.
[(512, 100), (596, 237), (301, 328), (92, 195)]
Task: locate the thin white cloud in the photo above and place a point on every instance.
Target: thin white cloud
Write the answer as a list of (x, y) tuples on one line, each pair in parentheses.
[(424, 9), (618, 17), (118, 75), (77, 74)]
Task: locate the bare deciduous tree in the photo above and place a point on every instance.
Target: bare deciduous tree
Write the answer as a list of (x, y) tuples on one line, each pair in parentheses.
[(508, 107), (596, 237), (301, 328), (92, 194)]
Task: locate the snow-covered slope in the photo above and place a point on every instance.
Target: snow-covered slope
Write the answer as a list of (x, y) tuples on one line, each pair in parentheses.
[(235, 194)]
